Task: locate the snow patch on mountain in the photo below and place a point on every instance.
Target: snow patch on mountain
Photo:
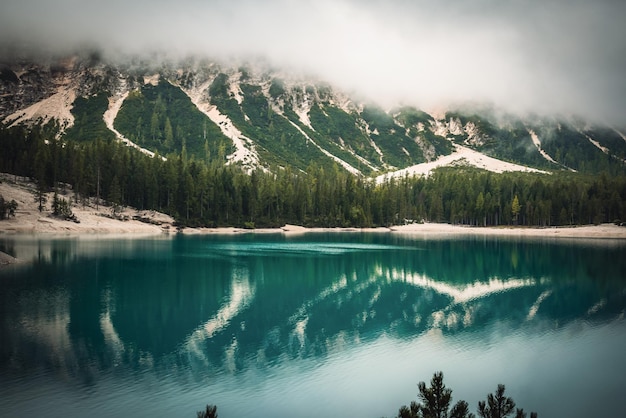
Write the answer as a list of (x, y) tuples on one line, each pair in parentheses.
[(343, 146), (595, 143), (152, 79), (234, 87), (369, 132), (341, 162), (455, 127), (535, 138), (303, 116), (440, 128), (600, 147), (620, 134), (474, 135), (462, 156), (244, 154), (429, 151), (537, 143), (299, 100), (277, 104), (364, 161), (343, 102), (302, 109), (115, 104), (57, 107)]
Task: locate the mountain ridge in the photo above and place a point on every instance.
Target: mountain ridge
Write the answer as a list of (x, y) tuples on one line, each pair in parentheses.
[(257, 117)]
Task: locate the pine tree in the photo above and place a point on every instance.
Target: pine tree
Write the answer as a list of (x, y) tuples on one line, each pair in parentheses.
[(207, 152), (169, 135), (115, 195), (435, 402), (497, 405), (210, 412), (154, 125), (515, 208), (40, 196), (480, 208)]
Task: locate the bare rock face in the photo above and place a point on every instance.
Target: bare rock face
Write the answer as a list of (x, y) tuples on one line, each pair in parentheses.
[(24, 83), (455, 126), (427, 148), (474, 135)]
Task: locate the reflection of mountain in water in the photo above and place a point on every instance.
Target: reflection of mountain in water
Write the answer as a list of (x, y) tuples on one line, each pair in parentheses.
[(209, 304)]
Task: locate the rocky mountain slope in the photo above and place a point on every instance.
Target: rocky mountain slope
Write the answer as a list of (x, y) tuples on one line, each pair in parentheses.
[(255, 116)]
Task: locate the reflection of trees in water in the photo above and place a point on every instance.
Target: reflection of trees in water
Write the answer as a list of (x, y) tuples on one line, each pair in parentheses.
[(186, 309), (111, 310), (155, 307), (408, 292), (315, 305)]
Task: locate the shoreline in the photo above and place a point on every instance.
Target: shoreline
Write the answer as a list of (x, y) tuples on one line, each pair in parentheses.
[(604, 234), (93, 218), (96, 220), (99, 226), (602, 231)]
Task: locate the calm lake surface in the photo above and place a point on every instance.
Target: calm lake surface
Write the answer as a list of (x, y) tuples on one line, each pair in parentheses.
[(309, 325)]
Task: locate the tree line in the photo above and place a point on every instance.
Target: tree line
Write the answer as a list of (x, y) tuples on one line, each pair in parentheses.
[(202, 192)]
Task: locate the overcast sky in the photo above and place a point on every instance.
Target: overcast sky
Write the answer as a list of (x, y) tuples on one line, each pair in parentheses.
[(546, 55)]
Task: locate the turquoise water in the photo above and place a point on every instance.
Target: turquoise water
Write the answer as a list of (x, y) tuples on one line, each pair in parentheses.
[(311, 325)]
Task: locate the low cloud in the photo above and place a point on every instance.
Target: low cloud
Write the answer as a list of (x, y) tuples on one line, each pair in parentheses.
[(556, 56)]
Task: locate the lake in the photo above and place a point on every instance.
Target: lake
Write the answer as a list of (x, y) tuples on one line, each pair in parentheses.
[(336, 324)]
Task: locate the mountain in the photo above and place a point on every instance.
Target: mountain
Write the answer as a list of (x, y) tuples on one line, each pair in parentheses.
[(254, 116)]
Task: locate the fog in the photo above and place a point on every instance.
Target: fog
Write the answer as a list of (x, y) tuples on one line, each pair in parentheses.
[(551, 56)]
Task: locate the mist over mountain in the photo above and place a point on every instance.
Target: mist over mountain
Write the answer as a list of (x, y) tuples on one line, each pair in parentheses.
[(553, 57), (254, 114), (257, 115)]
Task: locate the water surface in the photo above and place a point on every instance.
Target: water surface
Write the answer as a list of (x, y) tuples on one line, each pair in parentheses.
[(309, 325)]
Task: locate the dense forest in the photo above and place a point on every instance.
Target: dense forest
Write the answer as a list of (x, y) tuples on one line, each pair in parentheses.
[(201, 193), (163, 118)]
